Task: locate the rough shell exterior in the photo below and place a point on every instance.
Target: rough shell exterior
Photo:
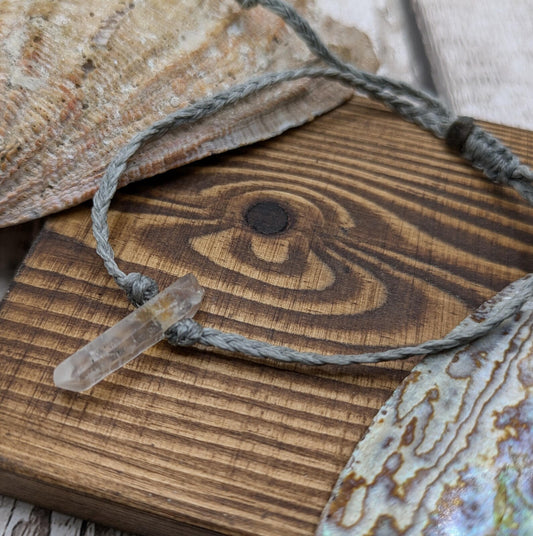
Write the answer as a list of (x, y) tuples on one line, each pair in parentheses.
[(450, 452), (78, 79)]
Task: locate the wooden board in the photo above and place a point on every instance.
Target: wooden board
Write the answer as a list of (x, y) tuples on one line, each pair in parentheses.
[(384, 238), (480, 55)]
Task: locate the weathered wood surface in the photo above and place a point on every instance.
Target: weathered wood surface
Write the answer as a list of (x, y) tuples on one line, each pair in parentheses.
[(389, 239), (480, 55)]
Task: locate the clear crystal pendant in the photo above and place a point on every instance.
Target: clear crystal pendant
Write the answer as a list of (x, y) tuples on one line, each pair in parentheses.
[(121, 343)]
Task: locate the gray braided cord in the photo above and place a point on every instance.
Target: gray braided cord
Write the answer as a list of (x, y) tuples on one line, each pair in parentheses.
[(487, 317), (483, 150), (412, 104), (499, 164)]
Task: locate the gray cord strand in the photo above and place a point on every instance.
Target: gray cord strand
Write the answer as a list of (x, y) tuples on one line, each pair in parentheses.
[(412, 104), (139, 287), (487, 317), (480, 148)]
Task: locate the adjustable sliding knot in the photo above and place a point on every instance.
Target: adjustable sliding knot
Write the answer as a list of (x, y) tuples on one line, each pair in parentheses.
[(522, 173), (522, 181), (488, 154), (184, 333), (139, 288), (248, 4)]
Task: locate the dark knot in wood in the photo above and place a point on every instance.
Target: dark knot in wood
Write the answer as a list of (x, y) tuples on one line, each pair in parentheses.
[(267, 217)]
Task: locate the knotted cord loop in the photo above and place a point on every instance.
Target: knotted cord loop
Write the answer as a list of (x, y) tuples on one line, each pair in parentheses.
[(488, 154), (139, 288), (185, 333), (458, 133)]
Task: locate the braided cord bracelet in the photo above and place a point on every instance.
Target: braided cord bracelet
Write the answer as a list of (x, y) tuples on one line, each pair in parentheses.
[(484, 152)]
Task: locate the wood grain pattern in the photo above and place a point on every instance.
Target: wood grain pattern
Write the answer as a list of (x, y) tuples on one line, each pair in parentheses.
[(390, 240)]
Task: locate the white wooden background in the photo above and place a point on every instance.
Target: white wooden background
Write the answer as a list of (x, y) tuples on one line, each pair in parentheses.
[(476, 55)]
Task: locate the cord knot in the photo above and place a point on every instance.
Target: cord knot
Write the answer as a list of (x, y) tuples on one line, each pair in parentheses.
[(490, 155), (522, 181), (139, 288), (248, 4), (458, 133), (184, 333), (522, 173)]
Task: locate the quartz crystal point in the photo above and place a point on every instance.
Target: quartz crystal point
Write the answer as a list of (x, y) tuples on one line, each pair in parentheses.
[(141, 329)]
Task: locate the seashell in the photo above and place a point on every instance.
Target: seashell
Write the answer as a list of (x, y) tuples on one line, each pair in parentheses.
[(79, 79), (450, 452)]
